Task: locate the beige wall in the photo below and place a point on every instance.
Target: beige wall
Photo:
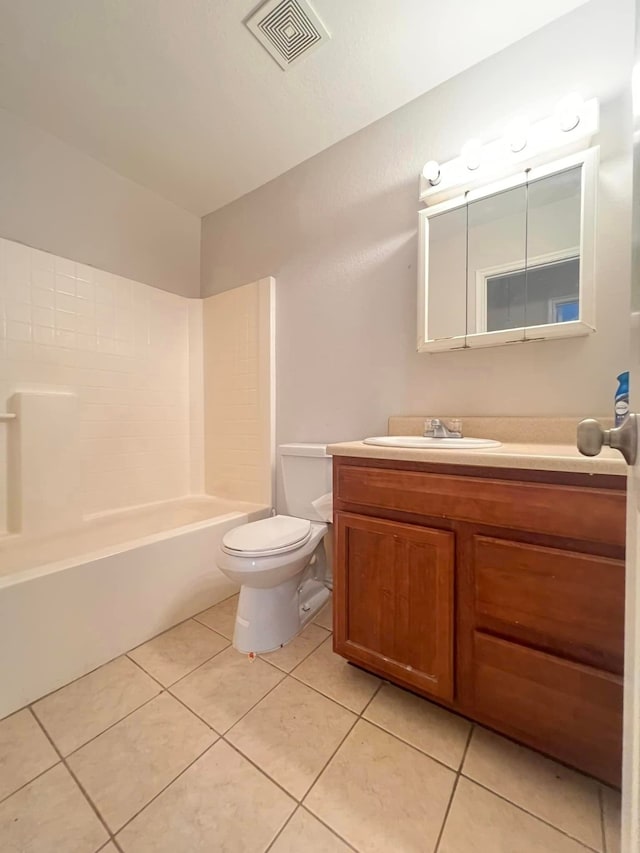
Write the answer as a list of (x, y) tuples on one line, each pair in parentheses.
[(339, 232), (238, 408), (123, 349), (55, 198)]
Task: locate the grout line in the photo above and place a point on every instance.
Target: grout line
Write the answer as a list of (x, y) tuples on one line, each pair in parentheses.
[(38, 775), (24, 784), (358, 717), (257, 702), (123, 655), (302, 660), (162, 790), (190, 672), (531, 814), (373, 696), (315, 778), (602, 828), (466, 749), (76, 780), (333, 831), (261, 770), (446, 813), (299, 808), (152, 677), (326, 695), (222, 737), (412, 745), (454, 789), (217, 604), (109, 727), (282, 828), (195, 714), (62, 686), (172, 628)]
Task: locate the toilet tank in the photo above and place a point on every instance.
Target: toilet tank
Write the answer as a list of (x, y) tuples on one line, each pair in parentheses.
[(306, 476)]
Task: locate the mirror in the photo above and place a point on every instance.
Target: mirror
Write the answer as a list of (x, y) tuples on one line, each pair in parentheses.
[(510, 263), (447, 265), (496, 247)]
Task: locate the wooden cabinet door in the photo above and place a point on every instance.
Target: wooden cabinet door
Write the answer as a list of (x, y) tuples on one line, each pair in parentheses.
[(393, 599)]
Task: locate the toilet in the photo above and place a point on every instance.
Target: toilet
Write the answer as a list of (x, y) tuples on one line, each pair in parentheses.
[(283, 563)]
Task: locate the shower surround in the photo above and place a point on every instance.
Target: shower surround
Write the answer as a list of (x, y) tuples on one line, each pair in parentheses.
[(107, 379)]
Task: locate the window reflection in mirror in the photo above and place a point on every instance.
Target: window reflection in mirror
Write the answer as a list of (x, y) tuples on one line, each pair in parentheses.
[(553, 249), (536, 228), (542, 294), (497, 245)]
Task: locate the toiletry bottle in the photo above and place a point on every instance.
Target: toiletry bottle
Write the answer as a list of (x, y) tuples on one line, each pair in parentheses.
[(622, 398)]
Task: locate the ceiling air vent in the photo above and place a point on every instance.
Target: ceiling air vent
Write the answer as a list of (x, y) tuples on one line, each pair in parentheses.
[(288, 29)]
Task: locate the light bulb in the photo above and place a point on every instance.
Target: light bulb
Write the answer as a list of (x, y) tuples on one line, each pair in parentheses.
[(431, 172), (568, 112), (471, 154), (517, 135)]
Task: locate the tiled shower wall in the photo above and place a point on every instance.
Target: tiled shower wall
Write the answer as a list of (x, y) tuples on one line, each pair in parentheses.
[(124, 348), (238, 401)]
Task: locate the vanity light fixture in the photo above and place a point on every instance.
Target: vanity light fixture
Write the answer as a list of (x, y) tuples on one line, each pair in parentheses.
[(472, 154), (518, 135), (525, 144), (569, 112), (431, 172)]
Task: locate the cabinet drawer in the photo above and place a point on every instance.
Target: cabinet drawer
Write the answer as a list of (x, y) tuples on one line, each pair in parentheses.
[(564, 602), (580, 513), (571, 711)]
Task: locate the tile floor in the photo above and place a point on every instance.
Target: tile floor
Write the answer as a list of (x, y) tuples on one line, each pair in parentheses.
[(184, 745)]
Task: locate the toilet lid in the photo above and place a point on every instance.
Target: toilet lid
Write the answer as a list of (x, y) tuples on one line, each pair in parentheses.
[(275, 535)]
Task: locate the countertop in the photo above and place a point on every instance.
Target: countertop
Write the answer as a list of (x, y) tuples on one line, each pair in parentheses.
[(533, 456)]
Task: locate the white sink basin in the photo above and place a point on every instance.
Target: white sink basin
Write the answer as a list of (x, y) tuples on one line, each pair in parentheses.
[(427, 443)]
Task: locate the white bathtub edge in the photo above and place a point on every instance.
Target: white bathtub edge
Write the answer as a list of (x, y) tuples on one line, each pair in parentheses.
[(59, 625)]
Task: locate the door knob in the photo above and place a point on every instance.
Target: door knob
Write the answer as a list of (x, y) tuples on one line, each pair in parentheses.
[(591, 438)]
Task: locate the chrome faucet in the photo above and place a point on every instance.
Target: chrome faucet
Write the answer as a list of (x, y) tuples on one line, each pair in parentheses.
[(437, 429)]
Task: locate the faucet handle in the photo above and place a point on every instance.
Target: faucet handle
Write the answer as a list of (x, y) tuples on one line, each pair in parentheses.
[(455, 425)]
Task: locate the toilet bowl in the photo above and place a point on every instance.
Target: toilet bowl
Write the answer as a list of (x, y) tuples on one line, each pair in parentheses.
[(283, 563), (282, 586)]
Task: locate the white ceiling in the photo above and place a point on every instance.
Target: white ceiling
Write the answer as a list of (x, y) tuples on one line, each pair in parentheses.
[(179, 96)]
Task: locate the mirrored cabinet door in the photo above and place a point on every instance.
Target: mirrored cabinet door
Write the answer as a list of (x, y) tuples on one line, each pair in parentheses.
[(446, 302), (552, 280), (496, 247)]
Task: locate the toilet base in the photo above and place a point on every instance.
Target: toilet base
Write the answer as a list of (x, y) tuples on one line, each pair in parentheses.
[(269, 618)]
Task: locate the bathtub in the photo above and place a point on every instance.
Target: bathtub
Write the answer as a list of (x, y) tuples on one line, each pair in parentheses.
[(73, 601)]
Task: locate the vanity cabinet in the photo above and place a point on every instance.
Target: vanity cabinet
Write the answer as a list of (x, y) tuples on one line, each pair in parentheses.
[(495, 592)]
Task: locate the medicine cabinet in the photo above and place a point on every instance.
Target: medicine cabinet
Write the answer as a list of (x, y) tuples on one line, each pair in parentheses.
[(510, 262)]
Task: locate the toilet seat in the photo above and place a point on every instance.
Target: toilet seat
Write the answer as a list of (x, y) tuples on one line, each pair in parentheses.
[(276, 535)]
